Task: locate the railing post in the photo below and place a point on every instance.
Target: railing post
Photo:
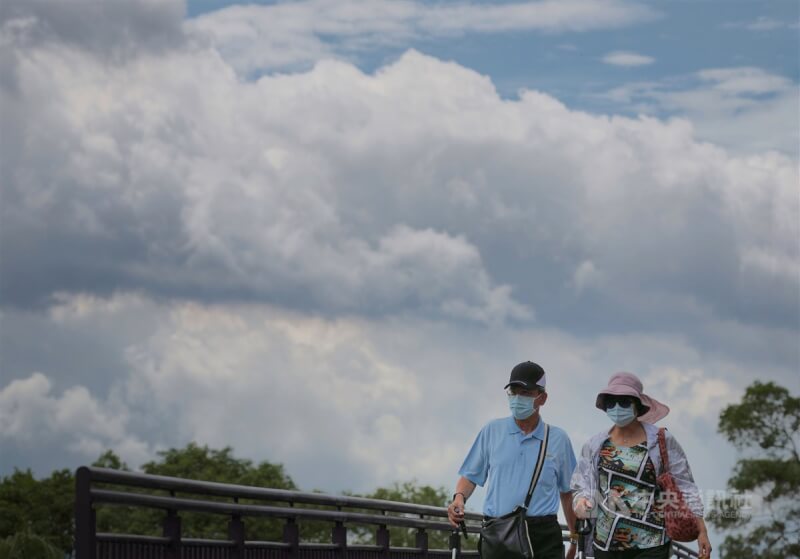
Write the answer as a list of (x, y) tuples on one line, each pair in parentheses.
[(236, 533), (291, 535), (455, 542), (172, 530), (383, 539), (85, 518), (339, 537), (422, 541)]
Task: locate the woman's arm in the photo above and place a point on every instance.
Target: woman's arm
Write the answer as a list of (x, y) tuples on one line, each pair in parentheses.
[(679, 467), (703, 543), (582, 483)]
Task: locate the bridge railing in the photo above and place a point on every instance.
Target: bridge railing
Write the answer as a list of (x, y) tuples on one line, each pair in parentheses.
[(292, 507)]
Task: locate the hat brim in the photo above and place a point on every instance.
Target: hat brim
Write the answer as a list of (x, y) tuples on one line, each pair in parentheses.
[(656, 412), (523, 384)]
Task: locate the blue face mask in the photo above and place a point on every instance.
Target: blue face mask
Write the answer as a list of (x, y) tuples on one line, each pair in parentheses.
[(621, 416), (522, 407)]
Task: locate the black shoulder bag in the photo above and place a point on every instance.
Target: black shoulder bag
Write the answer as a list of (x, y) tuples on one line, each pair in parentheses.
[(507, 536)]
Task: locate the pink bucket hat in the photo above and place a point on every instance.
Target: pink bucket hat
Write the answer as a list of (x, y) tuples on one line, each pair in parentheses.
[(628, 384)]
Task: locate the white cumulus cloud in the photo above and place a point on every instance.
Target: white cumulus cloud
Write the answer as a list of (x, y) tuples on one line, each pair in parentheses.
[(349, 392), (75, 421)]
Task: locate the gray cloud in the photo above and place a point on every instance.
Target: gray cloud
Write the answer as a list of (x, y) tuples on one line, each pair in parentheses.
[(189, 255), (114, 28), (304, 390), (146, 202), (86, 351), (416, 189)]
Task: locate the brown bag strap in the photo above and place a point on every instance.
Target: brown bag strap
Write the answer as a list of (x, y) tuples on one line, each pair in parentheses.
[(662, 447)]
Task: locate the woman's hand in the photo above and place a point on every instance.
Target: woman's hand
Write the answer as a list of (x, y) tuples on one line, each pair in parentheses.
[(703, 545), (583, 507)]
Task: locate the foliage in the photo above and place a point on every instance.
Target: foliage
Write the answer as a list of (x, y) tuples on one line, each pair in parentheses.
[(411, 492), (110, 460), (765, 427), (201, 463), (25, 545), (44, 507)]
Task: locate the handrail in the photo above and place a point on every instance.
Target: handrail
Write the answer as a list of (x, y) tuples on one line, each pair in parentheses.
[(87, 496), (166, 483), (194, 505)]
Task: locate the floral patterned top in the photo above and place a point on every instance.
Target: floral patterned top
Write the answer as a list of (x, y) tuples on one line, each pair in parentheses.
[(627, 516)]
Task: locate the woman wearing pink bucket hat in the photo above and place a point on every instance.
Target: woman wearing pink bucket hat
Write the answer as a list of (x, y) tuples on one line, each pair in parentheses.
[(615, 481)]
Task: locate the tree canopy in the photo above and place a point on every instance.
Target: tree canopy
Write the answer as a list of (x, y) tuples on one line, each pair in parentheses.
[(201, 463), (24, 545), (763, 508), (43, 508), (409, 492)]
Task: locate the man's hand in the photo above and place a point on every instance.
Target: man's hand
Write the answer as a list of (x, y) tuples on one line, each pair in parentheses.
[(571, 551), (455, 512), (583, 507)]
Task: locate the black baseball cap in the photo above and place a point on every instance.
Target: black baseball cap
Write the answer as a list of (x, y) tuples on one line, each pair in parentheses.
[(527, 375)]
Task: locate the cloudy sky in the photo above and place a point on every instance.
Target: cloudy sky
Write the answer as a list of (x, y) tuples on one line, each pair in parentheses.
[(323, 231)]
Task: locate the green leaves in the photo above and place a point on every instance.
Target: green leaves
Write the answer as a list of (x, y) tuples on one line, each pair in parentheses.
[(764, 427), (768, 541), (768, 417), (407, 492), (110, 460), (780, 478), (45, 507), (24, 545), (202, 463)]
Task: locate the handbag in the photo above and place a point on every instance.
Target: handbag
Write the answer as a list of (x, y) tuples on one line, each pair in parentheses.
[(507, 536), (679, 520)]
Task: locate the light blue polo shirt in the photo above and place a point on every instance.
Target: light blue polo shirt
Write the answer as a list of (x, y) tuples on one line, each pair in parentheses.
[(504, 456)]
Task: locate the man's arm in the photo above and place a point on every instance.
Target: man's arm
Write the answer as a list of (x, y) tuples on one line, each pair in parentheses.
[(569, 514), (455, 512), (566, 506), (566, 473)]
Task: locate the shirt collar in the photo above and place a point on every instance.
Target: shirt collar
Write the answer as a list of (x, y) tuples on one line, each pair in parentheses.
[(513, 428)]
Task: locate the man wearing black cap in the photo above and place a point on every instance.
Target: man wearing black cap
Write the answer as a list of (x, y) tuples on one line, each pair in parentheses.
[(503, 457)]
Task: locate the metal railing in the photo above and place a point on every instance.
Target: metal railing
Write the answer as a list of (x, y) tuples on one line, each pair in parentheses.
[(292, 507)]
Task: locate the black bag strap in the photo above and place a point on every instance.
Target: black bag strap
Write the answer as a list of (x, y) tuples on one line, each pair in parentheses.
[(537, 471)]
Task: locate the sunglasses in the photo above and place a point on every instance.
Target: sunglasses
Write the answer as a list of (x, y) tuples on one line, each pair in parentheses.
[(623, 401), (514, 391)]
